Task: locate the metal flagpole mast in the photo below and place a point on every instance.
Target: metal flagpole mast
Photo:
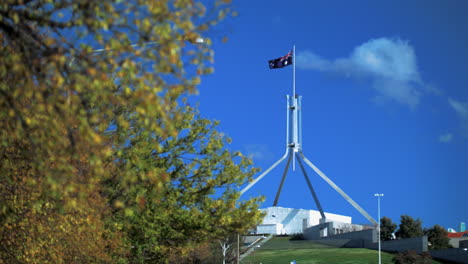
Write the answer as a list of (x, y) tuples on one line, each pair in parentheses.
[(294, 145), (294, 71), (294, 125)]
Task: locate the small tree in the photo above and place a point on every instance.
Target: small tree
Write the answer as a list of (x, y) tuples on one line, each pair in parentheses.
[(409, 227), (200, 253), (411, 257), (437, 237), (346, 228), (225, 245), (224, 250), (387, 227), (197, 203)]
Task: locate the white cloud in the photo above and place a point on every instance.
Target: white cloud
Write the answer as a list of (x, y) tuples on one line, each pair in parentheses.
[(310, 61), (258, 152), (460, 107), (446, 138), (389, 64)]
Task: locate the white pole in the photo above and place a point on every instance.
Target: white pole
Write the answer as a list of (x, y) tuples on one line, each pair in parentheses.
[(378, 213), (294, 71), (294, 106), (378, 217), (238, 248), (288, 126)]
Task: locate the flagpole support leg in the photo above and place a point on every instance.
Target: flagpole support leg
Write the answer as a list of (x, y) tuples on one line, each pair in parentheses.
[(264, 173), (282, 180), (339, 190)]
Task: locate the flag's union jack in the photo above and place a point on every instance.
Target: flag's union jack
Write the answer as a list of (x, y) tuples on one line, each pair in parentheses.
[(284, 61)]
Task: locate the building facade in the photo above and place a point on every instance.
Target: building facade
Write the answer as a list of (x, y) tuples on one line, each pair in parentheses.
[(281, 221)]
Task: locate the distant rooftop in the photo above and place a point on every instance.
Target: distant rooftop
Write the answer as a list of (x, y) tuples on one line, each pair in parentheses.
[(458, 234)]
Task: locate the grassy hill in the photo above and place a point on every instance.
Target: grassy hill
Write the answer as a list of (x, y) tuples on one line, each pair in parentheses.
[(281, 250)]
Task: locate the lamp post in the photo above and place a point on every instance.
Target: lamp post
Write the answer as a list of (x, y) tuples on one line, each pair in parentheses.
[(378, 195), (238, 251)]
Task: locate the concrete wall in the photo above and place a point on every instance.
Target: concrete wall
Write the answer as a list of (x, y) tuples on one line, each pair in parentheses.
[(419, 244), (364, 239), (294, 220), (318, 231), (369, 235), (314, 218), (457, 242), (290, 219), (270, 229), (463, 244), (458, 255), (338, 230)]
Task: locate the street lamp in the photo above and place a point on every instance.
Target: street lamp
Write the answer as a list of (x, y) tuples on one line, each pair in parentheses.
[(378, 195)]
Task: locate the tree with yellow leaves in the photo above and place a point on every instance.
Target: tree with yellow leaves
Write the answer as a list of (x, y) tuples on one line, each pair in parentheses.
[(90, 128)]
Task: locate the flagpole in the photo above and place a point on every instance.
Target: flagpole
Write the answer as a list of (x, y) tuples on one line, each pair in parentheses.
[(294, 71), (294, 107)]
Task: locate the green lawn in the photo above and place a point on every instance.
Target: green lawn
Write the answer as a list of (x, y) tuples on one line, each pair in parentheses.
[(314, 255), (281, 250)]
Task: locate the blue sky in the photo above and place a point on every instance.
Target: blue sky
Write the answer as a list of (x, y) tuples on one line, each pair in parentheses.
[(385, 102)]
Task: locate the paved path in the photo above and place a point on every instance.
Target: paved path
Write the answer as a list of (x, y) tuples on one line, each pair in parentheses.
[(248, 252)]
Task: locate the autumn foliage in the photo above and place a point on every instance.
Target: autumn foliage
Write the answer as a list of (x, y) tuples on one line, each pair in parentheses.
[(102, 161)]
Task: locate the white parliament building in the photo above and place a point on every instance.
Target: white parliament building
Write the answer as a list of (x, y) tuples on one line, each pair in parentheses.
[(280, 220)]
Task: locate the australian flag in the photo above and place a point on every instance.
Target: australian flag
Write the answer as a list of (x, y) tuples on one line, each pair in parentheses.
[(284, 61)]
